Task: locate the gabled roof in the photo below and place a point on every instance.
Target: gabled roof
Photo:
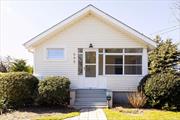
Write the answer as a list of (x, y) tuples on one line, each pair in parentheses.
[(85, 11)]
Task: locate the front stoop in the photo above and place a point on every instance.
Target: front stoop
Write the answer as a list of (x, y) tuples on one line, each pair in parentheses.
[(90, 98)]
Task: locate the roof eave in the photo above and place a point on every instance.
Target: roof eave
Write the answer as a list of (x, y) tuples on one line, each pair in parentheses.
[(90, 8)]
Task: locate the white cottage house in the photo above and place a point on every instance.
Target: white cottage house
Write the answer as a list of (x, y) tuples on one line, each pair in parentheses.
[(98, 53)]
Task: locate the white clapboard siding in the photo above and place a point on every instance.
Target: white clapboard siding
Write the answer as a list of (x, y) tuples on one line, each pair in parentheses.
[(89, 29)]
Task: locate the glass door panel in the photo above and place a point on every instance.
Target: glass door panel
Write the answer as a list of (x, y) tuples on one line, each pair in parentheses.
[(90, 71), (90, 64)]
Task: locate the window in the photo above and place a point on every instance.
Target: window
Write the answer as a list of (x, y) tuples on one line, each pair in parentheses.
[(110, 61), (80, 61), (114, 64), (101, 50), (133, 64), (100, 64), (128, 60), (133, 50), (113, 50), (55, 53)]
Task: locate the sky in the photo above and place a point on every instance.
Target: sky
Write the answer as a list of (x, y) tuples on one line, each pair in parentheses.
[(21, 20)]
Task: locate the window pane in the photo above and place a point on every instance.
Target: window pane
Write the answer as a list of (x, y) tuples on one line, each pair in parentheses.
[(80, 50), (90, 71), (114, 59), (100, 64), (133, 50), (113, 69), (100, 50), (133, 70), (113, 50), (133, 59), (55, 53), (80, 64), (90, 57)]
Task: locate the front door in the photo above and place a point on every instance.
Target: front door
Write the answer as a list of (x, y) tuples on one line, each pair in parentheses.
[(90, 68)]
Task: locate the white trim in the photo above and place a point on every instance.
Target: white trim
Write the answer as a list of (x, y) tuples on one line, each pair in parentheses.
[(123, 54), (93, 10), (46, 54), (143, 65), (84, 61)]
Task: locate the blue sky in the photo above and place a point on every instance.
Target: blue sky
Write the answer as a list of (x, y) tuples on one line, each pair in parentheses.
[(21, 20)]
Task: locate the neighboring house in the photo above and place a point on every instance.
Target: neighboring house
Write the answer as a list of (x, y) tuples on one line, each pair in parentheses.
[(98, 53)]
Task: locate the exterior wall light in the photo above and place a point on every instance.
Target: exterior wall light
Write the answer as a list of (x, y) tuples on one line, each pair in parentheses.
[(90, 45)]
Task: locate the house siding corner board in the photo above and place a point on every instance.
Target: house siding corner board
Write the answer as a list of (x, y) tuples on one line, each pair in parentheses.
[(79, 35)]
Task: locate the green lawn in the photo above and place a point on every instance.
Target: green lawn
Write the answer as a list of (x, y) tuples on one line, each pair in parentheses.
[(59, 117), (132, 114)]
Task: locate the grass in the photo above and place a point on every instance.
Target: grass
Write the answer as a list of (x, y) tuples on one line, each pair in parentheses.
[(40, 113), (137, 114), (59, 117)]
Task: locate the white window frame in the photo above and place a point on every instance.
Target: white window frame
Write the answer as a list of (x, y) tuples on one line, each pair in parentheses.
[(134, 54), (112, 54), (80, 53), (123, 64), (46, 54)]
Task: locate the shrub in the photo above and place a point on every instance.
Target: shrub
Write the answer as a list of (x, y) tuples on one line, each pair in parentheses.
[(18, 88), (163, 89), (137, 99), (143, 82), (54, 91)]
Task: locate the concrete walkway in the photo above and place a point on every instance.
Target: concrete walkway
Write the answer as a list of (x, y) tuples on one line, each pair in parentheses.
[(90, 114)]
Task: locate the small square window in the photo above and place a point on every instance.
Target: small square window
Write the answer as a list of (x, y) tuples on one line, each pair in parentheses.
[(80, 50), (55, 53), (100, 50)]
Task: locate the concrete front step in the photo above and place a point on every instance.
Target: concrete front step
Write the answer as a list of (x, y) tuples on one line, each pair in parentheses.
[(86, 106), (90, 103), (91, 91), (91, 99), (91, 95)]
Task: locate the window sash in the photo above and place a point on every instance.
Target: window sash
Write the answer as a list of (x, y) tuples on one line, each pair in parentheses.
[(55, 53), (113, 50), (133, 50), (114, 68), (133, 69)]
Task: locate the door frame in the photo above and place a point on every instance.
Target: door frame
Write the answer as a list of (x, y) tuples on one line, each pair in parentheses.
[(98, 82), (84, 61)]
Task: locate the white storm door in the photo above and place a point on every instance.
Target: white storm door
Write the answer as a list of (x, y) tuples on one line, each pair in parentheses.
[(90, 68)]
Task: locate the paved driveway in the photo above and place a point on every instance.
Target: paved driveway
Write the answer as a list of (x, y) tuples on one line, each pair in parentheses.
[(90, 114)]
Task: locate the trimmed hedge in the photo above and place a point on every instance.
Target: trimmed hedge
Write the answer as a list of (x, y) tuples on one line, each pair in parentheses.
[(162, 89), (18, 89), (54, 91)]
